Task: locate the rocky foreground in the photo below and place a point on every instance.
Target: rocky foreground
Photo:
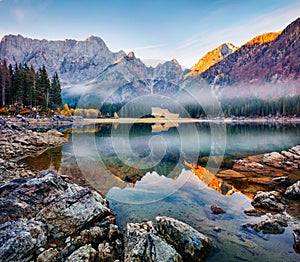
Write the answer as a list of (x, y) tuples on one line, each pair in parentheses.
[(17, 142), (44, 218)]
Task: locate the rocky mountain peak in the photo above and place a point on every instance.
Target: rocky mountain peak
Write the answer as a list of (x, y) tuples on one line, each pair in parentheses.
[(260, 65), (74, 61), (174, 61), (211, 58), (95, 39), (131, 55), (264, 38)]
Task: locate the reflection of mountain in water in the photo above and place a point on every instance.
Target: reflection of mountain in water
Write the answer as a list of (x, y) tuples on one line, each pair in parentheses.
[(212, 181), (153, 187)]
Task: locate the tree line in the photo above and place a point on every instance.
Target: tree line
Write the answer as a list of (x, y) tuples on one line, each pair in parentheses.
[(245, 107), (24, 86), (285, 106)]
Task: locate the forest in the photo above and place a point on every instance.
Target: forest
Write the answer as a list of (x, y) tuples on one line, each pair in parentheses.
[(23, 86)]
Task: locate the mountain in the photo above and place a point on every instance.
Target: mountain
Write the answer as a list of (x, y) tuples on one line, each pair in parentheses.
[(266, 61), (264, 38), (211, 58), (127, 78), (74, 61), (88, 66), (267, 66)]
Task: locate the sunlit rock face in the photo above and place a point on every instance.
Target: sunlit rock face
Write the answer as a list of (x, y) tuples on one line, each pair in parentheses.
[(211, 58)]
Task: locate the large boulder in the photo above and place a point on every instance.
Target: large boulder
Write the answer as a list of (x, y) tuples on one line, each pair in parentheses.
[(293, 191), (142, 243), (167, 240), (189, 243), (39, 210), (21, 238), (83, 254), (64, 207)]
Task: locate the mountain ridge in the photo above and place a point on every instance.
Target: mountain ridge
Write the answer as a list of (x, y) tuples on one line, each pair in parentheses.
[(276, 63), (265, 60)]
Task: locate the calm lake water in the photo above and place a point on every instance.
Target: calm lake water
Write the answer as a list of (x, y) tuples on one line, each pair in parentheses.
[(141, 169)]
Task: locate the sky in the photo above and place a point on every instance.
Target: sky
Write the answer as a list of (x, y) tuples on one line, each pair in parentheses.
[(153, 29)]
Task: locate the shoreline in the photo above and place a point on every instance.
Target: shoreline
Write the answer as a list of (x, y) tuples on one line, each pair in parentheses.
[(89, 121)]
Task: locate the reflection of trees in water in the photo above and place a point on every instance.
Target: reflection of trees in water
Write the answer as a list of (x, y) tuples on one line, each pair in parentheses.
[(50, 159)]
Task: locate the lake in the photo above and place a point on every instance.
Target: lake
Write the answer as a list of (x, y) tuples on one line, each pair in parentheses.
[(142, 169)]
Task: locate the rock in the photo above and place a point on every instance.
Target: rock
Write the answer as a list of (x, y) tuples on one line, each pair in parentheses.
[(142, 243), (288, 155), (274, 159), (50, 255), (230, 174), (282, 180), (246, 165), (296, 234), (295, 151), (269, 226), (105, 252), (21, 238), (270, 200), (54, 132), (39, 209), (217, 210), (254, 212), (189, 243), (293, 191), (64, 207), (83, 254)]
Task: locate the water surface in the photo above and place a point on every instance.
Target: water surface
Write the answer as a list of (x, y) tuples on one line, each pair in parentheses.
[(141, 170)]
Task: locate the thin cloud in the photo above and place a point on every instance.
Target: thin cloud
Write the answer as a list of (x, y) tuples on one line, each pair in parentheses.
[(147, 47), (191, 49)]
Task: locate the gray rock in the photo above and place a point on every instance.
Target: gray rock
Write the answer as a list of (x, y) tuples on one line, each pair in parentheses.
[(143, 244), (293, 191), (270, 226), (189, 243), (271, 200), (296, 234), (48, 197), (37, 210), (83, 254), (167, 240), (19, 240)]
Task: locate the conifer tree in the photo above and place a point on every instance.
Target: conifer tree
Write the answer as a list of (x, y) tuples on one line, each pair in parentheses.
[(43, 88), (55, 92)]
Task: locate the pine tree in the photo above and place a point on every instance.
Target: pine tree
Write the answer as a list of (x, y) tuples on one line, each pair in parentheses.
[(43, 88), (55, 92)]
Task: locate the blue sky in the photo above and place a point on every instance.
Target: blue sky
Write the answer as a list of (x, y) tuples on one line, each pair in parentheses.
[(155, 29)]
